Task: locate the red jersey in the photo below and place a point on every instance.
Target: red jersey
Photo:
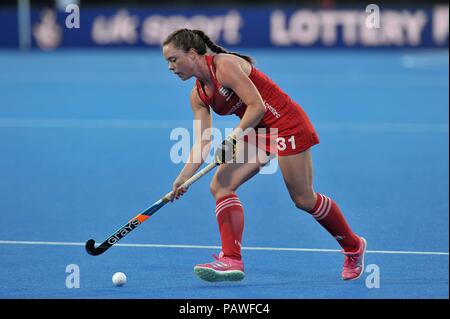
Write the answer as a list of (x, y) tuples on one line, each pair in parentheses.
[(281, 111)]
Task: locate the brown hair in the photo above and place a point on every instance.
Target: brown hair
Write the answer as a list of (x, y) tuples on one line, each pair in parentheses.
[(186, 39)]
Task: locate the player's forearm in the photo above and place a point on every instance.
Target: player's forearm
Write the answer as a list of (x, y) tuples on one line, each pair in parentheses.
[(253, 115), (196, 158)]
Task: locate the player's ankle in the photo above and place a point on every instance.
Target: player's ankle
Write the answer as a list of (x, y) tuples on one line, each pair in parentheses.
[(353, 246)]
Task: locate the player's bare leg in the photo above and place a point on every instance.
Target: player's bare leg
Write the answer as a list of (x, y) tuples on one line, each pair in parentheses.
[(228, 266), (297, 172)]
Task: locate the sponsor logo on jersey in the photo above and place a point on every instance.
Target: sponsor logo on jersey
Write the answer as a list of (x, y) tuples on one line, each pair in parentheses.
[(272, 110), (235, 107), (227, 93), (224, 91)]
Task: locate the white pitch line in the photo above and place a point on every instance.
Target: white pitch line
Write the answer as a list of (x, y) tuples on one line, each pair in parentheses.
[(74, 123), (53, 243)]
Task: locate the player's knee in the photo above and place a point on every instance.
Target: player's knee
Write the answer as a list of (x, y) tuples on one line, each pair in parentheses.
[(213, 188), (305, 201), (218, 189)]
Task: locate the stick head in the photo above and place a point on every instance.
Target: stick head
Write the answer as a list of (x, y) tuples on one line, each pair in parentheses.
[(90, 247), (91, 250)]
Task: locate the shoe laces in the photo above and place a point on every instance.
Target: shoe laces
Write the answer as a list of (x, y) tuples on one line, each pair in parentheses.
[(352, 260), (220, 260), (218, 257)]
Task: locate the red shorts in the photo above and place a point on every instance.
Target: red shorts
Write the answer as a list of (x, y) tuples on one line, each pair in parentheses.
[(288, 131), (290, 134)]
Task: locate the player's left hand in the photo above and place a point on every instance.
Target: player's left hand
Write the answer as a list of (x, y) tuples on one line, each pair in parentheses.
[(227, 150)]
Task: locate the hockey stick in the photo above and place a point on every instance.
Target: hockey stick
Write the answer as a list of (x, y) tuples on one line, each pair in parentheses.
[(140, 218)]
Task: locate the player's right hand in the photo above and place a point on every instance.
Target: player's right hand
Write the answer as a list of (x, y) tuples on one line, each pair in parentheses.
[(177, 189)]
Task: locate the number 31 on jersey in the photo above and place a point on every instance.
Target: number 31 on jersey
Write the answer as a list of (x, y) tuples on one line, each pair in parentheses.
[(282, 143)]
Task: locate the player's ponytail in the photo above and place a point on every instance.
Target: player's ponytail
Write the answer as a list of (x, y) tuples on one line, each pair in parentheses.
[(197, 39)]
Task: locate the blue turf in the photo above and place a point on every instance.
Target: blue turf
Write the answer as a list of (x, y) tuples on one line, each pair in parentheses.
[(383, 122)]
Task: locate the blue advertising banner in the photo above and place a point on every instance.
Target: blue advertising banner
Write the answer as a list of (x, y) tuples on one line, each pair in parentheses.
[(365, 27), (9, 32)]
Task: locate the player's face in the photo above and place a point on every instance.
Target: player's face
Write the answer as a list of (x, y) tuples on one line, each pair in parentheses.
[(180, 62)]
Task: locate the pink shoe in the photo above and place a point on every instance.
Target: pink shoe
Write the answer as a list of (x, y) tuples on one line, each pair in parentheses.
[(222, 269), (354, 262)]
